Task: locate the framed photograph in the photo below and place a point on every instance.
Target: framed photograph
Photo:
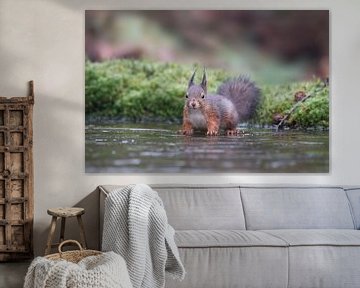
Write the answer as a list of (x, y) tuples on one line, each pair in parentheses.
[(207, 91)]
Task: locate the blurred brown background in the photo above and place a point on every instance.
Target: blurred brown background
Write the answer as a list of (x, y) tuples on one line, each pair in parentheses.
[(271, 46)]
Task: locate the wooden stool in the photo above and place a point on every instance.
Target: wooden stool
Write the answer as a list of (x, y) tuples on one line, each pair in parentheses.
[(64, 213)]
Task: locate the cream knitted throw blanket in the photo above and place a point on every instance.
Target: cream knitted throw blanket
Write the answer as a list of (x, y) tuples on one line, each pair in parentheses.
[(102, 271), (136, 227)]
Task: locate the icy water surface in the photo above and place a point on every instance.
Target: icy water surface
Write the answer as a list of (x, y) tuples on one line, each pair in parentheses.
[(139, 148)]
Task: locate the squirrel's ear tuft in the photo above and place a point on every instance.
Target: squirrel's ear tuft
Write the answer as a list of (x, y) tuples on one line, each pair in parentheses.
[(191, 81), (204, 81)]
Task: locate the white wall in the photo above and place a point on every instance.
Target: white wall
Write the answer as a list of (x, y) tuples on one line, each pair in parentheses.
[(43, 40)]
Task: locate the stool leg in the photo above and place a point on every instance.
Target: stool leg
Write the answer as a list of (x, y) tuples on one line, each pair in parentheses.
[(62, 230), (82, 232), (51, 235)]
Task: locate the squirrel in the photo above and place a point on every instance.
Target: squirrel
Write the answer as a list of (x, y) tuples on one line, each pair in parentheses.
[(235, 100)]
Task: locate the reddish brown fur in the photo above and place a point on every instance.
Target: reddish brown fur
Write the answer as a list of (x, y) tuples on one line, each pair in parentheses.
[(230, 124), (187, 127), (212, 119), (229, 121)]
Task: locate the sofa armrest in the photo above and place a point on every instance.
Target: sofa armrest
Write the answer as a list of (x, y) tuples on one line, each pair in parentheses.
[(102, 197)]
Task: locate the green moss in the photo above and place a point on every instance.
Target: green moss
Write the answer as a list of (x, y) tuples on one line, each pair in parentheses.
[(279, 100), (140, 90)]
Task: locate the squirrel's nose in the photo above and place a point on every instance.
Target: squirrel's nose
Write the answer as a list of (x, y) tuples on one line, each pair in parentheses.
[(193, 104)]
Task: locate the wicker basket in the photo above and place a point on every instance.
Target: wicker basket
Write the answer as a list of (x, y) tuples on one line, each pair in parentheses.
[(72, 256)]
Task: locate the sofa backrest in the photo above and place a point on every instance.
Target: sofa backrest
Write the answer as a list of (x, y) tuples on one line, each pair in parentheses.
[(354, 198), (296, 208), (202, 207), (234, 207)]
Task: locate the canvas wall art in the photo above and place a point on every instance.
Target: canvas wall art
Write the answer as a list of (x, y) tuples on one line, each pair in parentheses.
[(207, 91)]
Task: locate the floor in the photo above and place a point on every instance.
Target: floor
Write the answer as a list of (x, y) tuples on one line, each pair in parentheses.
[(12, 274)]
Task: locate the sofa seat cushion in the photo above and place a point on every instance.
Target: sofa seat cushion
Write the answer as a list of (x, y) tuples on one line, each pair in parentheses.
[(226, 238), (225, 267), (317, 237), (323, 258)]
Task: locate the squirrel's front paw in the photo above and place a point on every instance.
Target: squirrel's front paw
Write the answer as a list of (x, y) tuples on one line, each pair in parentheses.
[(187, 132), (212, 133), (234, 132)]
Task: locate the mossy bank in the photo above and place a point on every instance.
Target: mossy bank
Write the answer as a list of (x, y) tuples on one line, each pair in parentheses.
[(132, 90)]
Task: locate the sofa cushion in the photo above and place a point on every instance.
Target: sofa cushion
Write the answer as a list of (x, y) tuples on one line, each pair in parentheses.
[(322, 258), (220, 267), (204, 208), (226, 238), (324, 266), (315, 237), (296, 208), (191, 207)]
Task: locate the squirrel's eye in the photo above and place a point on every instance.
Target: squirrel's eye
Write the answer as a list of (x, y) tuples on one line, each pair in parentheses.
[(202, 95), (187, 95)]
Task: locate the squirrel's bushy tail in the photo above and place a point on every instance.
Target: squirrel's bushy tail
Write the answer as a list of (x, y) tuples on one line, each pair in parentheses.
[(243, 93)]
